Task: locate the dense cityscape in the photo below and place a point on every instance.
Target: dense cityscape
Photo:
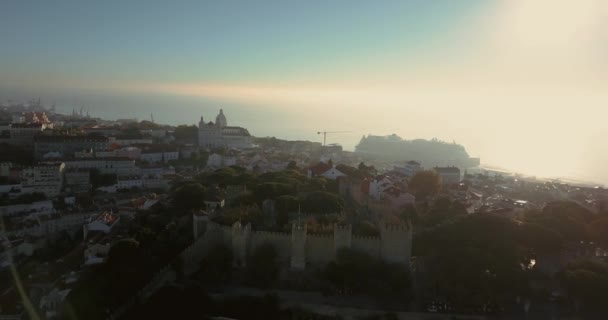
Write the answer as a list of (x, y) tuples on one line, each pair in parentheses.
[(122, 219)]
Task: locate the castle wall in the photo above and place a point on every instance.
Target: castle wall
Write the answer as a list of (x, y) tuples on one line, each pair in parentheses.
[(369, 245), (394, 244), (342, 236), (281, 241), (319, 249)]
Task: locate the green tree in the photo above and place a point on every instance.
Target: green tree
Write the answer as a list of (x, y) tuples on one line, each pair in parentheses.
[(284, 205), (186, 133), (584, 281), (123, 255), (425, 183), (357, 272), (322, 202), (99, 179), (189, 196)]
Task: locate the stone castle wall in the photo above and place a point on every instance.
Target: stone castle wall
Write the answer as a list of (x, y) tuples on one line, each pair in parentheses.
[(298, 248), (319, 249), (281, 241), (369, 245)]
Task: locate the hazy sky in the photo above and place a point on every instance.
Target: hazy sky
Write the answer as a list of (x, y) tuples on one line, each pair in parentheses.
[(521, 83)]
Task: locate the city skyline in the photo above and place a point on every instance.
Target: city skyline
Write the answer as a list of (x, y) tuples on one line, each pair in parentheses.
[(520, 84)]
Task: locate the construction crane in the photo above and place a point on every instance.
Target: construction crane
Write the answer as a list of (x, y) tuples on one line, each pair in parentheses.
[(331, 132)]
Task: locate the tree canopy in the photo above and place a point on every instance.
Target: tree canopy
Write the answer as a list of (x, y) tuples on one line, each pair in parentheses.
[(425, 183), (322, 202), (189, 196)]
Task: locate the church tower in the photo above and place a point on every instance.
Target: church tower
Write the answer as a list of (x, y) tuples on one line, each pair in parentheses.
[(220, 120)]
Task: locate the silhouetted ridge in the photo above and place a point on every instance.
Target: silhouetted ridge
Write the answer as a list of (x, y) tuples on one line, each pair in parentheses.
[(429, 152)]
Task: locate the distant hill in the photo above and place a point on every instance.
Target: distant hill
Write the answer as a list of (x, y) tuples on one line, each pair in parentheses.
[(286, 145), (429, 153)]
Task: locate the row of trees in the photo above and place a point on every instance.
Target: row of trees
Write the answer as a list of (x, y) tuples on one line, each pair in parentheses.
[(290, 189)]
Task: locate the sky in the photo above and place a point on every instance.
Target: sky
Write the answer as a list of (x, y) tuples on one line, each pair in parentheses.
[(523, 84)]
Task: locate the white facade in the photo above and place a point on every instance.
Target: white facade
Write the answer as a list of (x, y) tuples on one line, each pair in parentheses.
[(47, 179), (37, 208), (128, 182), (128, 142), (125, 152), (140, 181), (333, 174), (5, 169), (156, 157), (96, 253), (218, 161), (219, 134), (151, 157), (377, 187), (107, 165), (13, 190)]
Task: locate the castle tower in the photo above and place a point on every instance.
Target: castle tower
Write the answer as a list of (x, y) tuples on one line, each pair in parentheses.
[(199, 224), (396, 243), (342, 237), (220, 120), (298, 245), (240, 240)]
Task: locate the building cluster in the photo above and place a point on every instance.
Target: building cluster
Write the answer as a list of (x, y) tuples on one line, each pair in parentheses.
[(78, 173)]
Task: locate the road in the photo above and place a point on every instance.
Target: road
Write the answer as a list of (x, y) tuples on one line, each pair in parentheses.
[(332, 306)]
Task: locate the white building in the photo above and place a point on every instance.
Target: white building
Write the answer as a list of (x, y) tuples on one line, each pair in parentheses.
[(159, 156), (129, 181), (125, 152), (115, 165), (36, 208), (125, 142), (97, 253), (12, 190), (333, 174), (5, 169), (379, 186), (43, 178), (218, 161), (23, 133), (219, 134), (141, 181), (103, 222), (78, 180)]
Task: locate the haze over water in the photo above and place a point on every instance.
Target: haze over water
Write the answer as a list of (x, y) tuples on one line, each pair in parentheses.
[(521, 84)]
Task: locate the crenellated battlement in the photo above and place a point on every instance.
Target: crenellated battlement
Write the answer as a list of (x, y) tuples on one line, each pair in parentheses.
[(271, 234), (320, 235), (395, 227), (366, 238), (300, 248), (347, 227)]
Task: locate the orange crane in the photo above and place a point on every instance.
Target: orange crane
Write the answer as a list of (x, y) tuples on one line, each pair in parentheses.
[(331, 132)]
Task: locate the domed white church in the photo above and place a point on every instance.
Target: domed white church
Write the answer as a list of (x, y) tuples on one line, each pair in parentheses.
[(219, 134)]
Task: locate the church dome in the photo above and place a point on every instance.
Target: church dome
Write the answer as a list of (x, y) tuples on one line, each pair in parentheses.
[(220, 120)]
